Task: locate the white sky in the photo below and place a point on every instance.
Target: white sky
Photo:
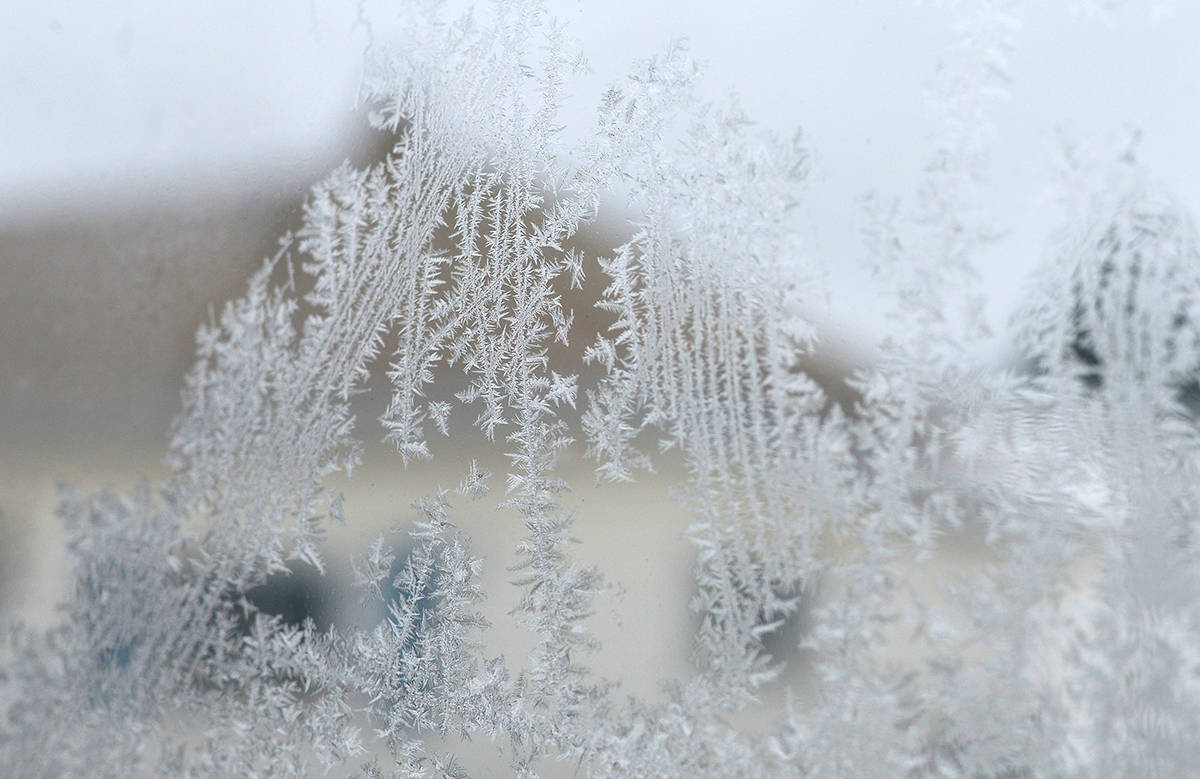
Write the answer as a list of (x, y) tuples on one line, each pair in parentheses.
[(104, 97)]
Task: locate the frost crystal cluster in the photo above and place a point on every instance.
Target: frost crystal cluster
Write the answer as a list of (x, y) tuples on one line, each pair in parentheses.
[(1071, 649)]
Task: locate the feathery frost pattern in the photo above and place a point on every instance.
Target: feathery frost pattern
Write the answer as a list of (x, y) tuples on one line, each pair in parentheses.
[(457, 255)]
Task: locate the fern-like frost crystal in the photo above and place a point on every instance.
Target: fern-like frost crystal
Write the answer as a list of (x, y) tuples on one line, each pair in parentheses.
[(821, 512)]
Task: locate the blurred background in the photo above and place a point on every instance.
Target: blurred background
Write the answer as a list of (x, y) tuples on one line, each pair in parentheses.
[(151, 154)]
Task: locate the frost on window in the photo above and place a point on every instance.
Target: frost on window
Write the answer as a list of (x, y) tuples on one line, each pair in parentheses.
[(926, 567)]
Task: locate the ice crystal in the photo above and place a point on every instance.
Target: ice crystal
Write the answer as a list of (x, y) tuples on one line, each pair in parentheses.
[(457, 255)]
